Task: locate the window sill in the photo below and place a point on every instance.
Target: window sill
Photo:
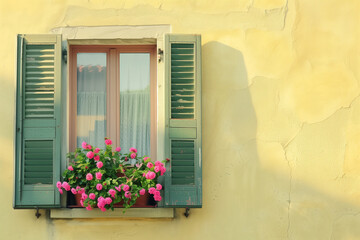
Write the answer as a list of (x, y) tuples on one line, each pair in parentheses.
[(132, 213)]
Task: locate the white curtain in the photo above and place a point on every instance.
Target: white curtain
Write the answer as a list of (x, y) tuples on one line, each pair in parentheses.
[(135, 102), (91, 99)]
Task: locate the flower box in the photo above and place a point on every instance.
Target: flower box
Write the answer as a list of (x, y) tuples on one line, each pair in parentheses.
[(104, 179)]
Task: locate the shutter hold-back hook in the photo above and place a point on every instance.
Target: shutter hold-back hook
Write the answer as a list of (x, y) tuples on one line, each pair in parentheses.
[(187, 212), (160, 54), (37, 214)]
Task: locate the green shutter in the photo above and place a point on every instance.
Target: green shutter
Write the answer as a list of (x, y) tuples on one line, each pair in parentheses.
[(38, 121), (183, 180)]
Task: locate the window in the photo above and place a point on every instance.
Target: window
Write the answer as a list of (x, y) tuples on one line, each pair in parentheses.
[(39, 134), (113, 94)]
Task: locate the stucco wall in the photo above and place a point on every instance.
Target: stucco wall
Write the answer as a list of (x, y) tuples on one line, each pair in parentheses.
[(281, 117)]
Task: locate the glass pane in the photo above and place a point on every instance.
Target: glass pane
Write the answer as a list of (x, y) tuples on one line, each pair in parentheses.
[(135, 102), (91, 99)]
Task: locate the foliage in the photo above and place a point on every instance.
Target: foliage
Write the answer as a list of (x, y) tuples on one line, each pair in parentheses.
[(105, 177)]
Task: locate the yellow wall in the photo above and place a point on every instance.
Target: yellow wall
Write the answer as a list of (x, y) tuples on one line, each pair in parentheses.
[(281, 117)]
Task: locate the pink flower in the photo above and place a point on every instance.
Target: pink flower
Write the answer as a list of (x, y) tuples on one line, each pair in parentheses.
[(118, 149), (66, 186), (146, 158), (157, 163), (88, 147), (128, 194), (81, 191), (99, 186), (61, 191), (73, 191), (142, 191), (58, 184), (108, 200), (101, 202), (126, 187), (70, 168), (103, 209), (133, 155), (78, 188), (112, 192), (90, 155), (97, 158), (92, 196), (82, 203), (99, 164), (152, 190), (157, 168), (84, 196), (89, 176), (158, 186), (96, 150), (88, 208), (150, 165), (133, 150), (98, 175), (150, 175), (156, 193), (118, 188), (108, 142), (157, 198), (83, 145), (163, 170)]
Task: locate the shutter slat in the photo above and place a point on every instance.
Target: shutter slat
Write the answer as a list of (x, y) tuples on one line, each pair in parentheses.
[(32, 56), (38, 163), (40, 72), (39, 78)]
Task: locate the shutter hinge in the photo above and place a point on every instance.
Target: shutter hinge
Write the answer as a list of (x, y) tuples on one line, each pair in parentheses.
[(160, 54)]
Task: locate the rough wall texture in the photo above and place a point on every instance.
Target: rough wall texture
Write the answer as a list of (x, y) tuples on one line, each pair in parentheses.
[(281, 117)]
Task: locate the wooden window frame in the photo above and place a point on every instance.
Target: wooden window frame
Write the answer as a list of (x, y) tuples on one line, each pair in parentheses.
[(113, 90)]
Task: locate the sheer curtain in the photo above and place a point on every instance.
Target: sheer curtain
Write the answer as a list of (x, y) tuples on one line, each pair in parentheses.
[(91, 98), (135, 102)]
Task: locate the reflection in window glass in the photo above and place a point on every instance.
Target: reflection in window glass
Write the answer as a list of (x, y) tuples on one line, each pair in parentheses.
[(135, 102), (91, 98)]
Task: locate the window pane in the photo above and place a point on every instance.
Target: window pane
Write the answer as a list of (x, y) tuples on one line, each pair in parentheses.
[(91, 99), (135, 102)]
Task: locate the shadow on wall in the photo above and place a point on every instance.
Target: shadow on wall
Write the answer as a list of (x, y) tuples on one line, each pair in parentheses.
[(239, 192), (230, 160)]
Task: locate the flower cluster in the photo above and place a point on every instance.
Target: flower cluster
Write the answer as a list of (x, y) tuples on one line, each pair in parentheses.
[(105, 177)]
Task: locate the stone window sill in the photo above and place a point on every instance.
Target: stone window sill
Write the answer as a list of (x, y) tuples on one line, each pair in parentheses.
[(132, 213)]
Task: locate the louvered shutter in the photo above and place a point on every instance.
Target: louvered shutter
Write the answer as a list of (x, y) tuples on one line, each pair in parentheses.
[(183, 180), (38, 121)]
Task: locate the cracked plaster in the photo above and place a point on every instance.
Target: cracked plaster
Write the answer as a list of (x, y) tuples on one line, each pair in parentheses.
[(280, 108)]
